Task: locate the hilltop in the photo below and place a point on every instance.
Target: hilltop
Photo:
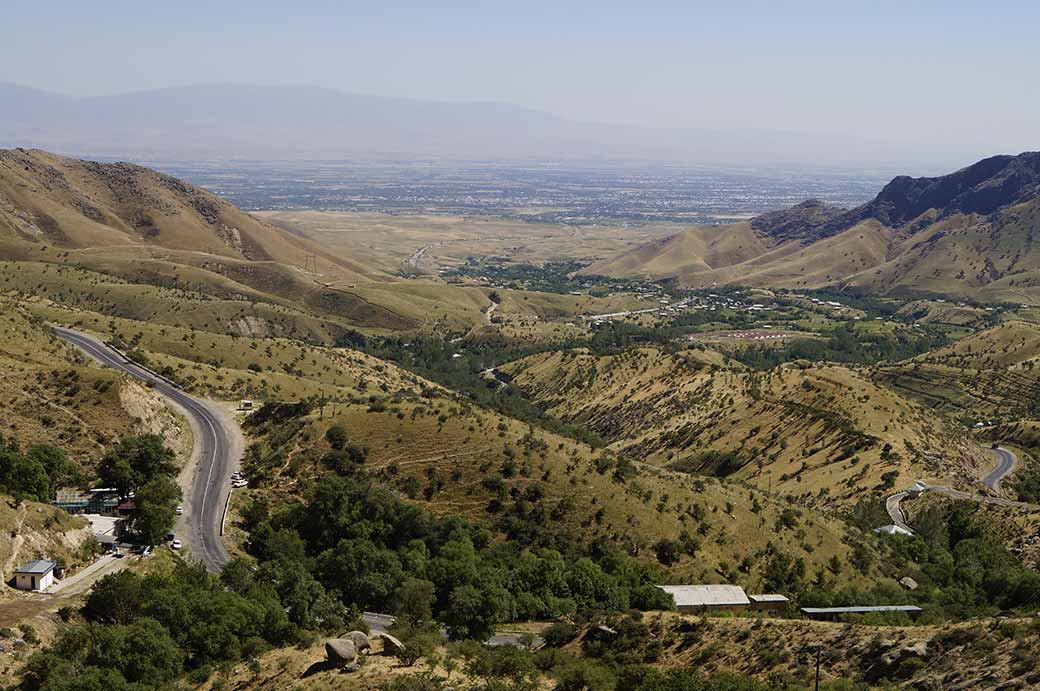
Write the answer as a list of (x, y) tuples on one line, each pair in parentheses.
[(970, 234), (128, 241)]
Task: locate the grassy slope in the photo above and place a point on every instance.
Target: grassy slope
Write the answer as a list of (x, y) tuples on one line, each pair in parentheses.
[(417, 443), (815, 432), (992, 259), (991, 375), (704, 256), (49, 393)]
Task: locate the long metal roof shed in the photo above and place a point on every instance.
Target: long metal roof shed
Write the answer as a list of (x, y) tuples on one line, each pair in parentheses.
[(706, 595), (861, 610)]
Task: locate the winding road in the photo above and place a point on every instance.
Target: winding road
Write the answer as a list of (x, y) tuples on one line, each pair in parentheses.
[(213, 451), (207, 494), (1006, 462)]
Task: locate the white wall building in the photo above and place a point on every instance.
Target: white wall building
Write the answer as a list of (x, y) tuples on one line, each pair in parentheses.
[(35, 575)]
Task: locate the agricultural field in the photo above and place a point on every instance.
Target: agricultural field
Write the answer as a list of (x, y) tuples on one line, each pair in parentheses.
[(426, 243)]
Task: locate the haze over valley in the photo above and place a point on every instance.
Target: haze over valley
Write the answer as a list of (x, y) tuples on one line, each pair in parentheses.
[(430, 377)]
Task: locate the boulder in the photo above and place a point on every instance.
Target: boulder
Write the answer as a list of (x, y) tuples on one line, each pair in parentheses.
[(360, 639), (391, 644), (340, 651)]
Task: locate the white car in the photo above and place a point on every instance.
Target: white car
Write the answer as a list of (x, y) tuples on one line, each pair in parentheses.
[(179, 510), (176, 544)]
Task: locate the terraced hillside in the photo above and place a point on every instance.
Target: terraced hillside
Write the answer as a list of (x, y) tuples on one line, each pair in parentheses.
[(992, 376), (534, 486), (822, 432)]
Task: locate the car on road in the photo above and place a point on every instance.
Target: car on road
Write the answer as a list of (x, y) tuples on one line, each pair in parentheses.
[(179, 510), (176, 544)]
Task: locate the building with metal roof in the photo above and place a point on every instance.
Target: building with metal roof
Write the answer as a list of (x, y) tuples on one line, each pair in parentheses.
[(35, 575), (702, 598), (826, 612), (769, 602)]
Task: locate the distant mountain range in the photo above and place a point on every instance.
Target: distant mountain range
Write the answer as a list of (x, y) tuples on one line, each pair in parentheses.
[(298, 122), (974, 233)]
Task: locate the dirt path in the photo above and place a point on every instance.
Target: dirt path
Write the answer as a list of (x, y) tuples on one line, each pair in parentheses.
[(70, 593)]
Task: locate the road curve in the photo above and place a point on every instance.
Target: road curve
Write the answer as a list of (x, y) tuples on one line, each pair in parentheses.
[(206, 497), (1005, 464)]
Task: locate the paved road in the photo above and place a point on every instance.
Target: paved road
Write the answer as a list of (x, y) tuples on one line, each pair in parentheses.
[(1006, 462), (208, 492), (895, 511), (209, 485)]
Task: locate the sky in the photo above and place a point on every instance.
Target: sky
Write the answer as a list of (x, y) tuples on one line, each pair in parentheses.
[(930, 72)]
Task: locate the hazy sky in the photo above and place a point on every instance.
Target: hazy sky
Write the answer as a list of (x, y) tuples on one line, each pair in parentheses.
[(929, 71)]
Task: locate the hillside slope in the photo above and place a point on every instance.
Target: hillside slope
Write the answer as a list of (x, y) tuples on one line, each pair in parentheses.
[(826, 433), (972, 233)]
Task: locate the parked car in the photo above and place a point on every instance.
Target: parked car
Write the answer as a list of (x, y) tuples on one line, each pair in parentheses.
[(179, 510), (169, 536), (176, 544)]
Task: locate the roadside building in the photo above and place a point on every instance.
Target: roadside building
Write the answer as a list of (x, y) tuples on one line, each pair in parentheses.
[(35, 575), (774, 603), (893, 529), (708, 598), (835, 612), (100, 501)]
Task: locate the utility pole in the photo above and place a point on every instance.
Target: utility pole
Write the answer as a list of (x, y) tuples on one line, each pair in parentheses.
[(819, 649)]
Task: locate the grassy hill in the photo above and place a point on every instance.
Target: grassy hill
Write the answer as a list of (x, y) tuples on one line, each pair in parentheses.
[(127, 241), (990, 376), (50, 394), (824, 433), (455, 459)]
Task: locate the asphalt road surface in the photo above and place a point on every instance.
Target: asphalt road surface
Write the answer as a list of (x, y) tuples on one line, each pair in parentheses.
[(1005, 464), (209, 482)]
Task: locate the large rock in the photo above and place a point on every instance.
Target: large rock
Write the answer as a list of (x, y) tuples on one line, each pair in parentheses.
[(360, 639), (340, 651)]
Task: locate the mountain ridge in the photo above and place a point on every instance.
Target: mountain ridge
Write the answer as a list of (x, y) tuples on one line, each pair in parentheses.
[(969, 234), (299, 122)]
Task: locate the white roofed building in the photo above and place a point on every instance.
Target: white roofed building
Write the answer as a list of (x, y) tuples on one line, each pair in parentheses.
[(706, 598)]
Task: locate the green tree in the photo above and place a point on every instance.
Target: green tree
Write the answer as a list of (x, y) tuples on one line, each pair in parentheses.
[(336, 436), (134, 461), (156, 509), (115, 599), (414, 600), (471, 613)]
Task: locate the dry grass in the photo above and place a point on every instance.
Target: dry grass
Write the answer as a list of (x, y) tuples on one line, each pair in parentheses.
[(815, 432)]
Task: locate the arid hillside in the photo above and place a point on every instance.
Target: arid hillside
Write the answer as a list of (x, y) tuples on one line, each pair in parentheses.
[(990, 377), (825, 433), (970, 234), (51, 394), (529, 484)]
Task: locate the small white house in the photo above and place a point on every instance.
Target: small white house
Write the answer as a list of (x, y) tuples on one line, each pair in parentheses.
[(35, 575)]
